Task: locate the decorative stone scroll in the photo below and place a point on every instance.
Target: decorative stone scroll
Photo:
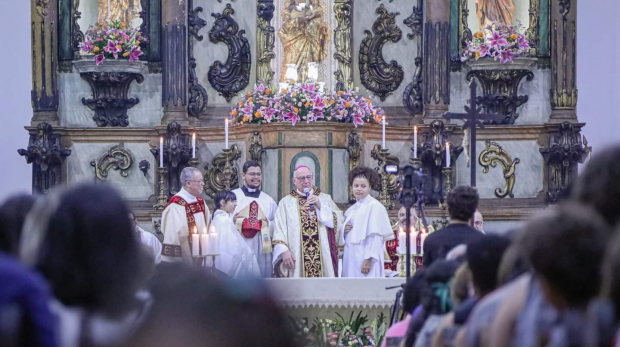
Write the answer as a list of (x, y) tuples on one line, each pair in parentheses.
[(223, 174), (376, 74), (198, 98), (233, 76), (266, 40), (412, 96), (495, 154), (343, 37), (117, 158), (256, 147)]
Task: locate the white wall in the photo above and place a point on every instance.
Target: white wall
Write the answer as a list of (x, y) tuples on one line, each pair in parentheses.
[(598, 80)]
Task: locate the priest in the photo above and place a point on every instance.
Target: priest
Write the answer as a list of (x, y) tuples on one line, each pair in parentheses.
[(254, 215), (185, 213), (305, 237)]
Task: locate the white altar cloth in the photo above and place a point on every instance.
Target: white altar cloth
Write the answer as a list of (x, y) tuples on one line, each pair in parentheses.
[(360, 293)]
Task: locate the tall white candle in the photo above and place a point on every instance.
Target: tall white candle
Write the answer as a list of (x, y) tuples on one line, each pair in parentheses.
[(447, 154), (415, 142), (226, 133), (402, 242), (383, 134), (212, 246), (194, 145), (161, 152), (195, 243), (424, 234), (413, 242), (204, 241)]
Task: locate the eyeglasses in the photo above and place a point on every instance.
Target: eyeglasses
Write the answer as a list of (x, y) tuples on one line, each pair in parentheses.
[(202, 182), (478, 223), (306, 178), (253, 174)]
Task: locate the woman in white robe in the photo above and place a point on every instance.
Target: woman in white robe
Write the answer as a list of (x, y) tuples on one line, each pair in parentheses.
[(236, 258), (365, 229)]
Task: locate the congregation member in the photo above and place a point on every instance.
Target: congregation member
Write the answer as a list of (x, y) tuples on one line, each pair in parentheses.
[(147, 239), (305, 237), (185, 213), (462, 204), (12, 214), (365, 229), (236, 259), (254, 216), (96, 268), (478, 222)]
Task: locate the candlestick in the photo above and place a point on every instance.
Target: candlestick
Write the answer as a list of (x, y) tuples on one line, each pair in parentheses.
[(414, 241), (204, 241), (383, 134), (194, 145), (447, 154), (212, 246), (415, 142), (195, 243), (402, 241), (161, 152), (226, 133), (423, 238)]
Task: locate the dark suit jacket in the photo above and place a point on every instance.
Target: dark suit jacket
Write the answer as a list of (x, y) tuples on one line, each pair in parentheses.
[(438, 244)]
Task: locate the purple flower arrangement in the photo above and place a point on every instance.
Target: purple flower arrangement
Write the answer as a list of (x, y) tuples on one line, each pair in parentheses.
[(115, 40), (498, 41), (304, 103)]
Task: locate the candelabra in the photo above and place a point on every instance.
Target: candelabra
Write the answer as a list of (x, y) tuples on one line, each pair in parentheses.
[(162, 198), (199, 260)]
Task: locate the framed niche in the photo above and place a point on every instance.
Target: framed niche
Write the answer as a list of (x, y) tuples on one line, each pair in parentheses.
[(471, 16), (77, 16)]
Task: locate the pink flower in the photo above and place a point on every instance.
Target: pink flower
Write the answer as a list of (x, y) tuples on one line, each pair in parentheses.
[(358, 119), (522, 43), (333, 343), (269, 113), (506, 57), (260, 88), (87, 45), (319, 103), (112, 48), (292, 117), (484, 50), (135, 53), (99, 59), (498, 40)]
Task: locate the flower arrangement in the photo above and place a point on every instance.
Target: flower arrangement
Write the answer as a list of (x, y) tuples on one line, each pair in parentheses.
[(304, 103), (498, 41), (340, 332), (113, 40)]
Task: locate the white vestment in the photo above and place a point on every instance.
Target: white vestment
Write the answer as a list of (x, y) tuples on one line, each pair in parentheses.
[(268, 206), (236, 258), (288, 236), (151, 242), (175, 226), (371, 228)]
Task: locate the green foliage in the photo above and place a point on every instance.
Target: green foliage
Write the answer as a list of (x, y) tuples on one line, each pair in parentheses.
[(351, 332)]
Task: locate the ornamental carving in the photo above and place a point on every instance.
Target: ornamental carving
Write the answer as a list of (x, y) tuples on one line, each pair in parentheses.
[(354, 148), (46, 156), (412, 96), (343, 10), (265, 42), (76, 33), (376, 74), (562, 157), (198, 98), (494, 154), (256, 147), (390, 184), (41, 6), (499, 89), (415, 22), (177, 155), (532, 33), (116, 158), (222, 175), (233, 76)]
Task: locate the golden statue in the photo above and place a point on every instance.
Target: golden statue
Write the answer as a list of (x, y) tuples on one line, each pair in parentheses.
[(499, 11), (304, 35), (120, 10)]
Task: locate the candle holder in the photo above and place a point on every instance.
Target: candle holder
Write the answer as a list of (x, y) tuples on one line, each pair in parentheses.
[(401, 260), (162, 198), (177, 153), (194, 162), (222, 175), (213, 256), (199, 260), (388, 180)]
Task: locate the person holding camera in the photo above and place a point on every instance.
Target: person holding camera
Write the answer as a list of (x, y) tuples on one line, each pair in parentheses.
[(365, 229), (462, 204)]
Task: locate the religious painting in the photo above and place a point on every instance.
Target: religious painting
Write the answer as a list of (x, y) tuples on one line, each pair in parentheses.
[(94, 12), (304, 34), (508, 12)]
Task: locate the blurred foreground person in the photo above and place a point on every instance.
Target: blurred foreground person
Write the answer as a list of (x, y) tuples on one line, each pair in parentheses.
[(193, 309), (12, 215)]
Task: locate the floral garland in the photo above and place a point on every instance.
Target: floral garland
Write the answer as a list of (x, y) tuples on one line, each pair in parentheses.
[(113, 41), (498, 41), (304, 103)]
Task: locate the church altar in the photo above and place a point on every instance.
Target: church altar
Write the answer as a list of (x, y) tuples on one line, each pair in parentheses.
[(323, 297)]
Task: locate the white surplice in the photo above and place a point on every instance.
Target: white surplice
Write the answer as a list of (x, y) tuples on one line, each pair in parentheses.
[(176, 231), (371, 227), (268, 206), (151, 243), (236, 258), (287, 232)]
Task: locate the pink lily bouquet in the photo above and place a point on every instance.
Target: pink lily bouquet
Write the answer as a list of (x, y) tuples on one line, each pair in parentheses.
[(498, 41), (113, 41), (304, 103)]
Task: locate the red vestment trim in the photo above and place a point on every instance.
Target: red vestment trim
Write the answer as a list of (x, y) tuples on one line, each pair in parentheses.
[(251, 225)]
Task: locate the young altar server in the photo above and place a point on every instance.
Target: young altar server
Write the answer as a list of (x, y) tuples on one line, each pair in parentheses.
[(365, 229), (236, 259)]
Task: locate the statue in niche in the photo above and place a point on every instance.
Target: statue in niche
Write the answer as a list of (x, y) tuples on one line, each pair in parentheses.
[(304, 35), (499, 11), (119, 10)]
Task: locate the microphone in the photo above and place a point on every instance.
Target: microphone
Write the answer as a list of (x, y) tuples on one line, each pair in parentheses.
[(307, 191)]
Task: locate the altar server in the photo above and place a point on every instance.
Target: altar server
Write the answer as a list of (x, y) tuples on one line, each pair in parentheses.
[(254, 216), (186, 212), (365, 229), (236, 259)]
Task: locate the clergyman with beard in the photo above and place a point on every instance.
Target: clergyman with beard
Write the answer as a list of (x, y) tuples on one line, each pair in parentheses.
[(254, 216)]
